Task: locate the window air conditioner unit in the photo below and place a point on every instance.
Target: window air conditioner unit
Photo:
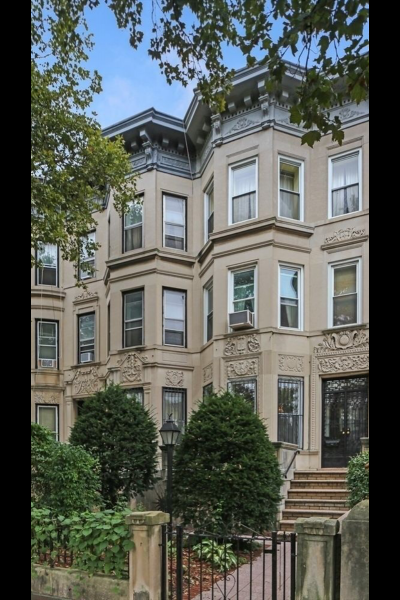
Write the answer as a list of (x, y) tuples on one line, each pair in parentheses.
[(47, 363), (241, 320), (86, 357)]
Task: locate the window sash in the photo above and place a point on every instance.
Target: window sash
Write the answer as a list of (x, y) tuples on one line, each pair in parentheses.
[(175, 228), (133, 233), (291, 410), (42, 338), (290, 306), (342, 200), (175, 404), (174, 326), (209, 312), (247, 302), (86, 341), (250, 388), (47, 409), (47, 273), (350, 310), (87, 263), (137, 393), (291, 197), (243, 191), (131, 325)]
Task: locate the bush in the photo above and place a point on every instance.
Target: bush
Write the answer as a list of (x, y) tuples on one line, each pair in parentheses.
[(64, 479), (358, 479), (226, 475), (123, 436)]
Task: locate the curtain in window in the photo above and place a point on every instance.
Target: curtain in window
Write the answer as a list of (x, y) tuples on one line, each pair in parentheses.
[(290, 191), (345, 185), (244, 193), (174, 403), (345, 302), (290, 298)]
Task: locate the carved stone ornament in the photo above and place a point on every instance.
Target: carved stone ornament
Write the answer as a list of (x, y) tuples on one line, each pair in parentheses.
[(242, 345), (344, 340), (174, 378), (291, 364), (86, 381), (351, 233), (86, 295), (131, 368), (208, 373), (348, 113), (344, 364), (242, 368), (242, 123), (47, 397)]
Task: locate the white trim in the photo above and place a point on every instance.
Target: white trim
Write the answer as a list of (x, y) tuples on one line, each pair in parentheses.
[(332, 267), (232, 167), (54, 407), (300, 270), (296, 163), (232, 272), (206, 289), (332, 159), (185, 203)]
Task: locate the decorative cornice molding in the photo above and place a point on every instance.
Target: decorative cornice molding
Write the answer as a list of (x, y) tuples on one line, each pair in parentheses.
[(242, 345)]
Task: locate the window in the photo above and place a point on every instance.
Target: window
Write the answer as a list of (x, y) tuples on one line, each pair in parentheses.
[(345, 184), (47, 344), (174, 406), (246, 388), (174, 318), (291, 201), (345, 293), (137, 393), (290, 410), (208, 390), (47, 416), (244, 291), (109, 328), (88, 260), (209, 211), (208, 312), (47, 271), (133, 318), (175, 222), (86, 338), (133, 227), (243, 192), (290, 297)]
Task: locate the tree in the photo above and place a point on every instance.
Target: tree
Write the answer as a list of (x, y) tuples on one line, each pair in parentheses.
[(64, 479), (123, 436), (226, 473)]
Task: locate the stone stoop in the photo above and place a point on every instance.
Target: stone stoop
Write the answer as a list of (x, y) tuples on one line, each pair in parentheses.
[(320, 493)]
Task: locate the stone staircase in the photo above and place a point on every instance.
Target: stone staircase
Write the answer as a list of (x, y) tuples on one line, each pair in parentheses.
[(315, 494)]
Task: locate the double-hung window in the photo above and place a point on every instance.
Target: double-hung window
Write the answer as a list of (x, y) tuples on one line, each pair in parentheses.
[(209, 211), (133, 227), (291, 189), (208, 312), (243, 290), (133, 318), (290, 410), (174, 318), (88, 258), (291, 297), (175, 407), (345, 193), (47, 344), (137, 394), (243, 192), (175, 222), (86, 338), (246, 388), (47, 270), (345, 292), (47, 416)]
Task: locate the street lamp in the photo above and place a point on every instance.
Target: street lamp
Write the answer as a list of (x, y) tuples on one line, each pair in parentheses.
[(170, 435)]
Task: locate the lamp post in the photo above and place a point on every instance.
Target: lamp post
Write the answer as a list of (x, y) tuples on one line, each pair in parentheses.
[(170, 435)]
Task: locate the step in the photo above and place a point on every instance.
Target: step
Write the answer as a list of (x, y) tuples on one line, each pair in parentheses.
[(319, 494), (314, 484), (292, 514), (287, 526), (325, 474), (308, 504)]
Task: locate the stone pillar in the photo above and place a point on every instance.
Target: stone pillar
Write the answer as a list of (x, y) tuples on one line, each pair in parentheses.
[(365, 444), (146, 557), (316, 559), (355, 554)]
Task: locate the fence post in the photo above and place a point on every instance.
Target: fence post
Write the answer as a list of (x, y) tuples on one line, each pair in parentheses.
[(355, 554), (316, 559), (145, 560)]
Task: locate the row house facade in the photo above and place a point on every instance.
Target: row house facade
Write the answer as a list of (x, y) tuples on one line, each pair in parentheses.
[(244, 266)]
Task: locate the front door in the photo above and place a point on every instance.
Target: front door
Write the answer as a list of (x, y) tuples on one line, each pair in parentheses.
[(344, 419)]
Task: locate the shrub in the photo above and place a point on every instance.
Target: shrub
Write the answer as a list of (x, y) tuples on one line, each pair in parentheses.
[(358, 479), (123, 436), (65, 479), (221, 556), (226, 475)]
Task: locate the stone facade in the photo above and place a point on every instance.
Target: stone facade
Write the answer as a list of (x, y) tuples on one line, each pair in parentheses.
[(259, 131)]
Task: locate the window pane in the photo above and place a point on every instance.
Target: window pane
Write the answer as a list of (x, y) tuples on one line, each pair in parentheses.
[(134, 216), (133, 306), (346, 200), (243, 285), (208, 390), (47, 255), (175, 210), (345, 171), (247, 389), (133, 239), (174, 405), (290, 410), (134, 337), (174, 338), (244, 180), (244, 208), (290, 205), (91, 237), (174, 325), (137, 393), (86, 328), (48, 330), (290, 177), (174, 305), (345, 280), (289, 283), (47, 417), (49, 352), (345, 310), (290, 313), (211, 201), (47, 276), (174, 231)]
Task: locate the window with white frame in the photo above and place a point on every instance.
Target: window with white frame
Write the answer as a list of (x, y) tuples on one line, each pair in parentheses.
[(345, 291), (345, 194), (88, 258), (290, 297), (174, 318), (47, 270), (208, 311), (133, 318), (47, 416), (133, 227), (291, 189), (243, 192), (243, 291), (209, 211), (86, 338), (175, 407), (175, 222), (47, 344), (290, 410), (137, 394), (246, 388)]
